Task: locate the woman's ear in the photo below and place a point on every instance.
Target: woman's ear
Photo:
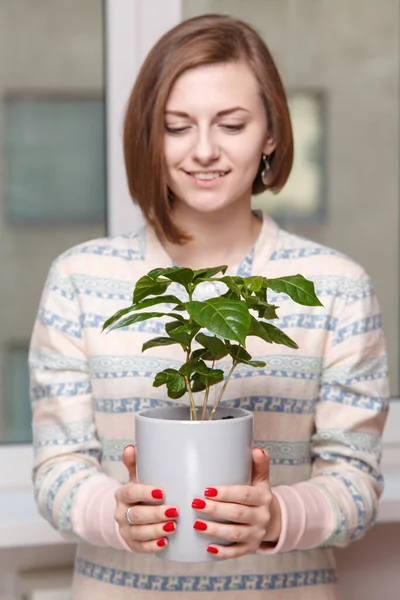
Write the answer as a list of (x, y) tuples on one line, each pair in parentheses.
[(269, 146)]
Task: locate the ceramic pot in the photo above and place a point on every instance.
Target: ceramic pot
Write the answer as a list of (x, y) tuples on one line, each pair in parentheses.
[(183, 457)]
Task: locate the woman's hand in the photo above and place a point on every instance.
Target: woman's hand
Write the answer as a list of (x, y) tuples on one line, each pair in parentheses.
[(152, 523), (253, 509)]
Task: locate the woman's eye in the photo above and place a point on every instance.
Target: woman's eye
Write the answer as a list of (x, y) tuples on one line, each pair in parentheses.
[(234, 128), (175, 130)]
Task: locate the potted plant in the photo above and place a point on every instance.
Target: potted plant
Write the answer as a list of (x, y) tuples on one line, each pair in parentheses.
[(184, 449)]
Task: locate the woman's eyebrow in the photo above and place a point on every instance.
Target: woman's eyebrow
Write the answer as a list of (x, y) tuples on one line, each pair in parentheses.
[(221, 113)]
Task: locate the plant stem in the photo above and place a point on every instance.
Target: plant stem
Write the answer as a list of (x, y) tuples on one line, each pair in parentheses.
[(193, 414), (218, 400), (205, 401)]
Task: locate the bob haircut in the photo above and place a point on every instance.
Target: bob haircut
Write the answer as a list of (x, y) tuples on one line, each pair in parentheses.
[(203, 40)]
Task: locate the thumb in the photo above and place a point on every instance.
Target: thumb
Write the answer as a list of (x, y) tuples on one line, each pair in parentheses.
[(261, 466), (129, 460)]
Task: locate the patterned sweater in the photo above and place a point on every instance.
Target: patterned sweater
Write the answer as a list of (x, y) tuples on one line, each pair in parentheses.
[(319, 412)]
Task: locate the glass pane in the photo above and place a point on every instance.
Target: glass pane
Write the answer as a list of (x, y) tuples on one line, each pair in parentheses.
[(52, 167), (53, 146), (17, 412), (347, 55)]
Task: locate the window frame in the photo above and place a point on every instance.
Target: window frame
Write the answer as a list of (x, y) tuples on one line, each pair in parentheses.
[(132, 26)]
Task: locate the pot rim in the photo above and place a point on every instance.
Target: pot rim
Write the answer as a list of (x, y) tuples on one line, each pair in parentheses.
[(244, 415)]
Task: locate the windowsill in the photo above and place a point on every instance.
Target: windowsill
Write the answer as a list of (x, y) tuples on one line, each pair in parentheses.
[(21, 525)]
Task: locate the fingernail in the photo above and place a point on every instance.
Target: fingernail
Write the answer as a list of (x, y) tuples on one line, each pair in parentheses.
[(170, 526), (258, 448), (171, 513), (198, 503), (199, 525), (210, 492), (212, 550), (158, 494), (162, 542), (129, 446)]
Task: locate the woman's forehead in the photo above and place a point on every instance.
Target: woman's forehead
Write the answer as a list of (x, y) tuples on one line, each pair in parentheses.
[(216, 87)]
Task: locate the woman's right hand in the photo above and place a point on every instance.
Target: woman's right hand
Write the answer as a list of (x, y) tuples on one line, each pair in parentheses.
[(153, 523)]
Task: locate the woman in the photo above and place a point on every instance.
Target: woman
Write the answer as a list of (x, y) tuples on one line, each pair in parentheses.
[(206, 126)]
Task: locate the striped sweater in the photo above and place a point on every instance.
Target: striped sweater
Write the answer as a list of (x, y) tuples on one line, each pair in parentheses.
[(319, 412)]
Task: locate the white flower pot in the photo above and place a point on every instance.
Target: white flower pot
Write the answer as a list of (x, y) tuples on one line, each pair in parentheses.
[(183, 457)]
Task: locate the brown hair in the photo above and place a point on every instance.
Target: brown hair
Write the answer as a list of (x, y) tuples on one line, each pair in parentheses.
[(203, 40)]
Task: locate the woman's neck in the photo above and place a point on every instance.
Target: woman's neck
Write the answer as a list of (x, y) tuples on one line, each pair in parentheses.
[(220, 238)]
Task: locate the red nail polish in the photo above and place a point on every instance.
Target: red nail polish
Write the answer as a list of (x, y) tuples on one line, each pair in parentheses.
[(170, 526), (210, 492), (161, 543), (198, 503), (158, 494), (171, 513), (212, 550), (200, 525)]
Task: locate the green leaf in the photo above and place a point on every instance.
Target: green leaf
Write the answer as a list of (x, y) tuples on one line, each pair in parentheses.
[(300, 290), (176, 395), (216, 347), (158, 341), (146, 286), (136, 318), (270, 334), (155, 273), (196, 384), (174, 381), (240, 355), (200, 353), (181, 275), (265, 310), (167, 299), (278, 336), (184, 334), (229, 319), (229, 295), (118, 315), (199, 381), (254, 284), (207, 273), (231, 284)]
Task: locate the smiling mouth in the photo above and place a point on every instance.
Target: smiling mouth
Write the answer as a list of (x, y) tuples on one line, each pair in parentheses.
[(207, 175)]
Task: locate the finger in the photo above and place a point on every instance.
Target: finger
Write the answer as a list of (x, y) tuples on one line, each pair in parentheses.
[(261, 467), (223, 531), (224, 511), (150, 547), (233, 551), (129, 460), (145, 533), (239, 494), (141, 514), (133, 493)]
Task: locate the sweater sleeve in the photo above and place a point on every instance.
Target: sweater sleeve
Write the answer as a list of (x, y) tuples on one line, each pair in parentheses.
[(66, 449), (350, 416), (339, 502)]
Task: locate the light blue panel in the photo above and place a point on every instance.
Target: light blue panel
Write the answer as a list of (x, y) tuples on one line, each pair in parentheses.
[(17, 412), (54, 159)]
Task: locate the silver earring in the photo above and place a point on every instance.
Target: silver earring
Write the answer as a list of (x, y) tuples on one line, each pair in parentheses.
[(265, 173)]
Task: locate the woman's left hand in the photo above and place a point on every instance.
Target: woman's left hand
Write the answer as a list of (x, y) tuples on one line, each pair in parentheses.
[(253, 512)]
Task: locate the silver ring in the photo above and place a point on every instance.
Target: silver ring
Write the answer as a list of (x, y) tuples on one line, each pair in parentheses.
[(127, 517)]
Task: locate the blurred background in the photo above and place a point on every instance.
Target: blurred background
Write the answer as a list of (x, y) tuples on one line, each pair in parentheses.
[(62, 182)]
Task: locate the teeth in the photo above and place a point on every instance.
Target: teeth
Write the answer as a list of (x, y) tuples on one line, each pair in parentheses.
[(208, 175)]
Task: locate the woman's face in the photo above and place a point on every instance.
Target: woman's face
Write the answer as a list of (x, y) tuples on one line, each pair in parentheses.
[(215, 135)]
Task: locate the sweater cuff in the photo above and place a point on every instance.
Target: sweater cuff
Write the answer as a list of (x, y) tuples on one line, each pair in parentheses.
[(306, 517), (93, 513)]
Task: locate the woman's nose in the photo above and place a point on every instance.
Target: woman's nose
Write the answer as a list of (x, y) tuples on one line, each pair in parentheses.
[(206, 149)]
